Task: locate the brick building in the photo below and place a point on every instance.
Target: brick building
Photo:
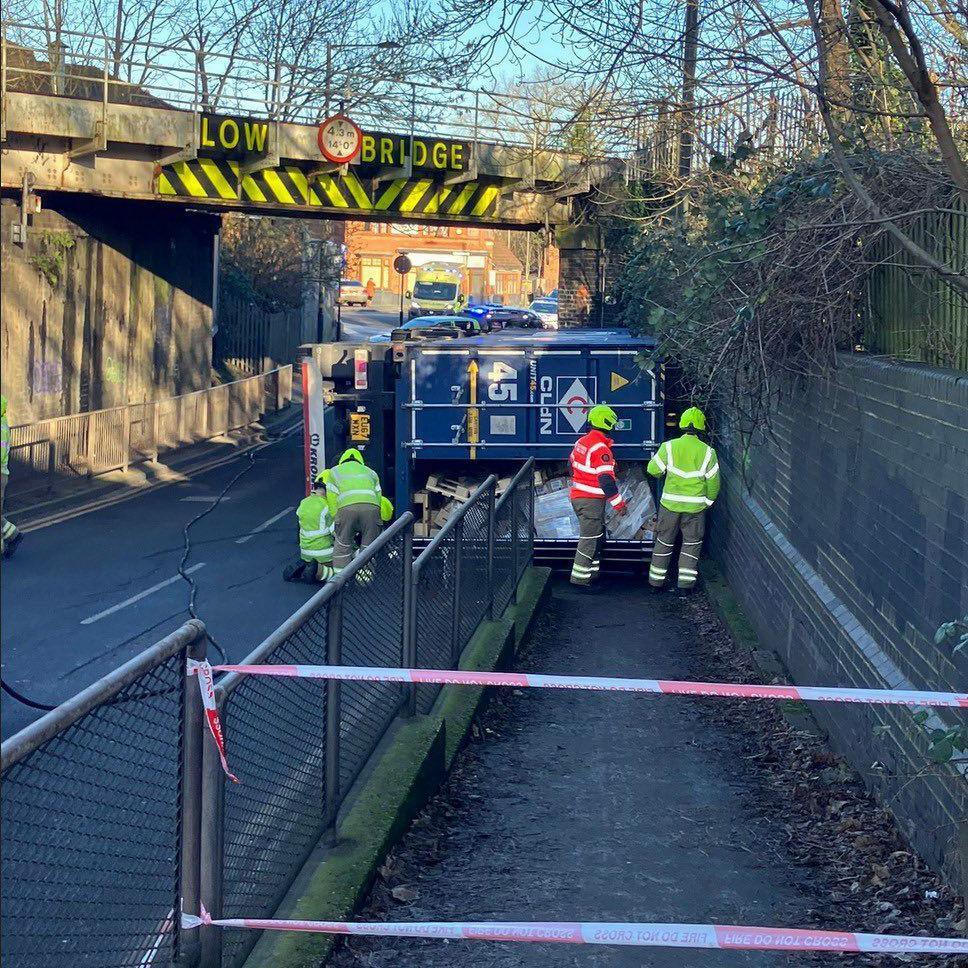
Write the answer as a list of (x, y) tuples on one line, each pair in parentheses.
[(492, 270)]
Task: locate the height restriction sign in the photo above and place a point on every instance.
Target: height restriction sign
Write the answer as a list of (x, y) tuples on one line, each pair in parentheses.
[(339, 139)]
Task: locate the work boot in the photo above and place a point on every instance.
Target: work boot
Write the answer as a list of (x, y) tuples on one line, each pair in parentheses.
[(293, 571), (685, 592)]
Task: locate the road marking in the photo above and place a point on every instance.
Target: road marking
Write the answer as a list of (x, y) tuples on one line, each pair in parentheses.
[(139, 596), (205, 498), (264, 525)]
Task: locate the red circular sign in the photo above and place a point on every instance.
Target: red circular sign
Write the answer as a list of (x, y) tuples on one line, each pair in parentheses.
[(339, 139)]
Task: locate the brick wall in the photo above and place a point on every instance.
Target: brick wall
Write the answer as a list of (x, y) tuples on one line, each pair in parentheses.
[(848, 546)]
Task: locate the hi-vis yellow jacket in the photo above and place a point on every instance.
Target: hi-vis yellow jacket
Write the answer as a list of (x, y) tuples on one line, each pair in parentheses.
[(691, 471)]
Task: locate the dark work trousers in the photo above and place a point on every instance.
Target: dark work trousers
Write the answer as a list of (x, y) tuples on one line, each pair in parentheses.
[(692, 526), (590, 512), (358, 522)]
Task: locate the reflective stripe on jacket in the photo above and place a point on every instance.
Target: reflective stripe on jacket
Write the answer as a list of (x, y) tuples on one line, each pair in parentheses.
[(352, 483), (315, 529), (591, 458), (691, 471)]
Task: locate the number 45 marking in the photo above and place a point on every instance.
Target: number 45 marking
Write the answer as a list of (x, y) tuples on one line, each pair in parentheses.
[(500, 390)]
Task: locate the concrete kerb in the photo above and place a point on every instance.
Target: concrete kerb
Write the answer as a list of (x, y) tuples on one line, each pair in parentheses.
[(413, 764), (180, 465)]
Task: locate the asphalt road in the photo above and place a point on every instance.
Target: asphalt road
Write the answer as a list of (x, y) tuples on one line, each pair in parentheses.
[(83, 596), (361, 324)]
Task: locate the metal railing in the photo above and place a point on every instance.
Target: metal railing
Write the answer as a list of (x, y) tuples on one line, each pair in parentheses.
[(97, 797), (116, 812), (299, 744), (381, 97), (98, 441)]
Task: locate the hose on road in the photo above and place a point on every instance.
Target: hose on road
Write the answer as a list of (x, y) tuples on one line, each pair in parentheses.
[(192, 608), (10, 691)]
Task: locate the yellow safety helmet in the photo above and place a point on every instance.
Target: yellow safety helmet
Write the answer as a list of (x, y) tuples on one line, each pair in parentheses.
[(386, 509), (322, 478), (693, 417), (351, 453), (602, 417)]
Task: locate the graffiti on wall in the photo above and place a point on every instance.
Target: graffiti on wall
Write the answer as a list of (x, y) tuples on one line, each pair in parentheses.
[(48, 377)]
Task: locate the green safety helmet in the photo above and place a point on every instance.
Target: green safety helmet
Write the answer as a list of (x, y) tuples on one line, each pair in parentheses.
[(602, 417), (693, 417), (386, 509), (351, 453), (322, 478)]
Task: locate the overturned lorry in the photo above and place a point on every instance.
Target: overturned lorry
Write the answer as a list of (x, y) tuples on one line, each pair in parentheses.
[(434, 417)]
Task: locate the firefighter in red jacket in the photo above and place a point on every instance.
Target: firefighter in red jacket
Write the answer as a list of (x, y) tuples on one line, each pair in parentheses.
[(592, 484)]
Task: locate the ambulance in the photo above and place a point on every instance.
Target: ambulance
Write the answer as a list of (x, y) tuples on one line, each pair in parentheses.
[(437, 290)]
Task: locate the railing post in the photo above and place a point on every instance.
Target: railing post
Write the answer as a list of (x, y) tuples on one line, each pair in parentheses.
[(334, 650), (126, 440), (193, 737), (455, 644), (515, 551), (155, 406), (211, 845), (51, 464), (409, 618), (491, 500)]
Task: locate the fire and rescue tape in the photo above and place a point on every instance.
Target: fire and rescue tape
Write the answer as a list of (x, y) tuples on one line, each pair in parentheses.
[(651, 935), (523, 680), (460, 677), (206, 683)]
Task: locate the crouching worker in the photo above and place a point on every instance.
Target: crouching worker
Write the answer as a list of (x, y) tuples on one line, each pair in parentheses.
[(355, 500), (315, 562)]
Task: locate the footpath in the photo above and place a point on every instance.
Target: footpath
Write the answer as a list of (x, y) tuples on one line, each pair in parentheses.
[(618, 807)]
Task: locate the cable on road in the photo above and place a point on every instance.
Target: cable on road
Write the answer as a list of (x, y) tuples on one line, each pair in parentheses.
[(193, 594), (10, 691), (46, 707)]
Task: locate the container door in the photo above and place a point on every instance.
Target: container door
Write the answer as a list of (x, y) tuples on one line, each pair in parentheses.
[(630, 391), (564, 389), (502, 388), (439, 380)]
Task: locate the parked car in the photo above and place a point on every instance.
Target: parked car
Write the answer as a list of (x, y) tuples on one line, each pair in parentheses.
[(547, 312), (495, 317), (352, 292), (432, 327)]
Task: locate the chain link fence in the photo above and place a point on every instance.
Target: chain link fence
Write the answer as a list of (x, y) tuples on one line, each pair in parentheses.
[(116, 812), (92, 821)]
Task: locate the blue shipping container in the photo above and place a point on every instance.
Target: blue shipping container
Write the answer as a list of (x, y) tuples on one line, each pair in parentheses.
[(519, 394)]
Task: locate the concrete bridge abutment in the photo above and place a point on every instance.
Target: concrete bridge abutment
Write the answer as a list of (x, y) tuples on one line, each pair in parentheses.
[(106, 302)]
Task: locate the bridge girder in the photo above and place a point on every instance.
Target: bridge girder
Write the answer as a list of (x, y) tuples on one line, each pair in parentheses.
[(152, 153)]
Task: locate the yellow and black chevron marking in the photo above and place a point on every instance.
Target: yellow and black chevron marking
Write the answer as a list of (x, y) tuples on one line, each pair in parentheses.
[(218, 178)]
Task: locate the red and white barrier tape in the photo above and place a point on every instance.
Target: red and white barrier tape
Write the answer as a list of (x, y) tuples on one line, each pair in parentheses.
[(725, 936), (458, 677), (207, 685), (522, 680)]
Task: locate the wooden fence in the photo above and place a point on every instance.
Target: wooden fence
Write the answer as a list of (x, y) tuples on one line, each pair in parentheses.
[(909, 312)]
